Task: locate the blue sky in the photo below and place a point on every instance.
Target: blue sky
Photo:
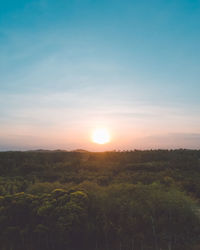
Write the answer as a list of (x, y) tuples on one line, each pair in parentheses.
[(69, 66)]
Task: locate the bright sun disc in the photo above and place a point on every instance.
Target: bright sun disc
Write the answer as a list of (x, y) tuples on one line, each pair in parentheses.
[(101, 136)]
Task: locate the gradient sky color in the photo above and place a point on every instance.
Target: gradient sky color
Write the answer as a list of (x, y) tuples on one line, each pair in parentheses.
[(69, 66)]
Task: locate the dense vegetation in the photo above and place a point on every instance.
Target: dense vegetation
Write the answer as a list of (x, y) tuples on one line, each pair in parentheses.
[(133, 200)]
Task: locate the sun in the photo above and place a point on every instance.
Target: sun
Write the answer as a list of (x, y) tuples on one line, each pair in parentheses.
[(101, 136)]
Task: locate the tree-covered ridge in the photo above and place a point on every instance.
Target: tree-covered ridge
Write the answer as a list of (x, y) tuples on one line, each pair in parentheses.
[(136, 200)]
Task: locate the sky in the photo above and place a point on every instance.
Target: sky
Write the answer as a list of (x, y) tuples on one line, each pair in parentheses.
[(68, 67)]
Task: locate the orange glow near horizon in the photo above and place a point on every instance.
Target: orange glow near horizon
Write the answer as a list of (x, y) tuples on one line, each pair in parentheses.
[(101, 136)]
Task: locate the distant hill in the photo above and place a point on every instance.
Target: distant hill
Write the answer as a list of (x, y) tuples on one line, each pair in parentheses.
[(80, 151), (47, 150)]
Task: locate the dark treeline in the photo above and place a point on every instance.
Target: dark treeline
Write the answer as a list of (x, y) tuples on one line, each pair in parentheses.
[(132, 200)]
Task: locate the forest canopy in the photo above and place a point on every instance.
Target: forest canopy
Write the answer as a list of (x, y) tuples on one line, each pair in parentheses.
[(103, 201)]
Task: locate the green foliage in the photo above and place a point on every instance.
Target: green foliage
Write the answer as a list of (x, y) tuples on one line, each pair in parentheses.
[(127, 200)]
